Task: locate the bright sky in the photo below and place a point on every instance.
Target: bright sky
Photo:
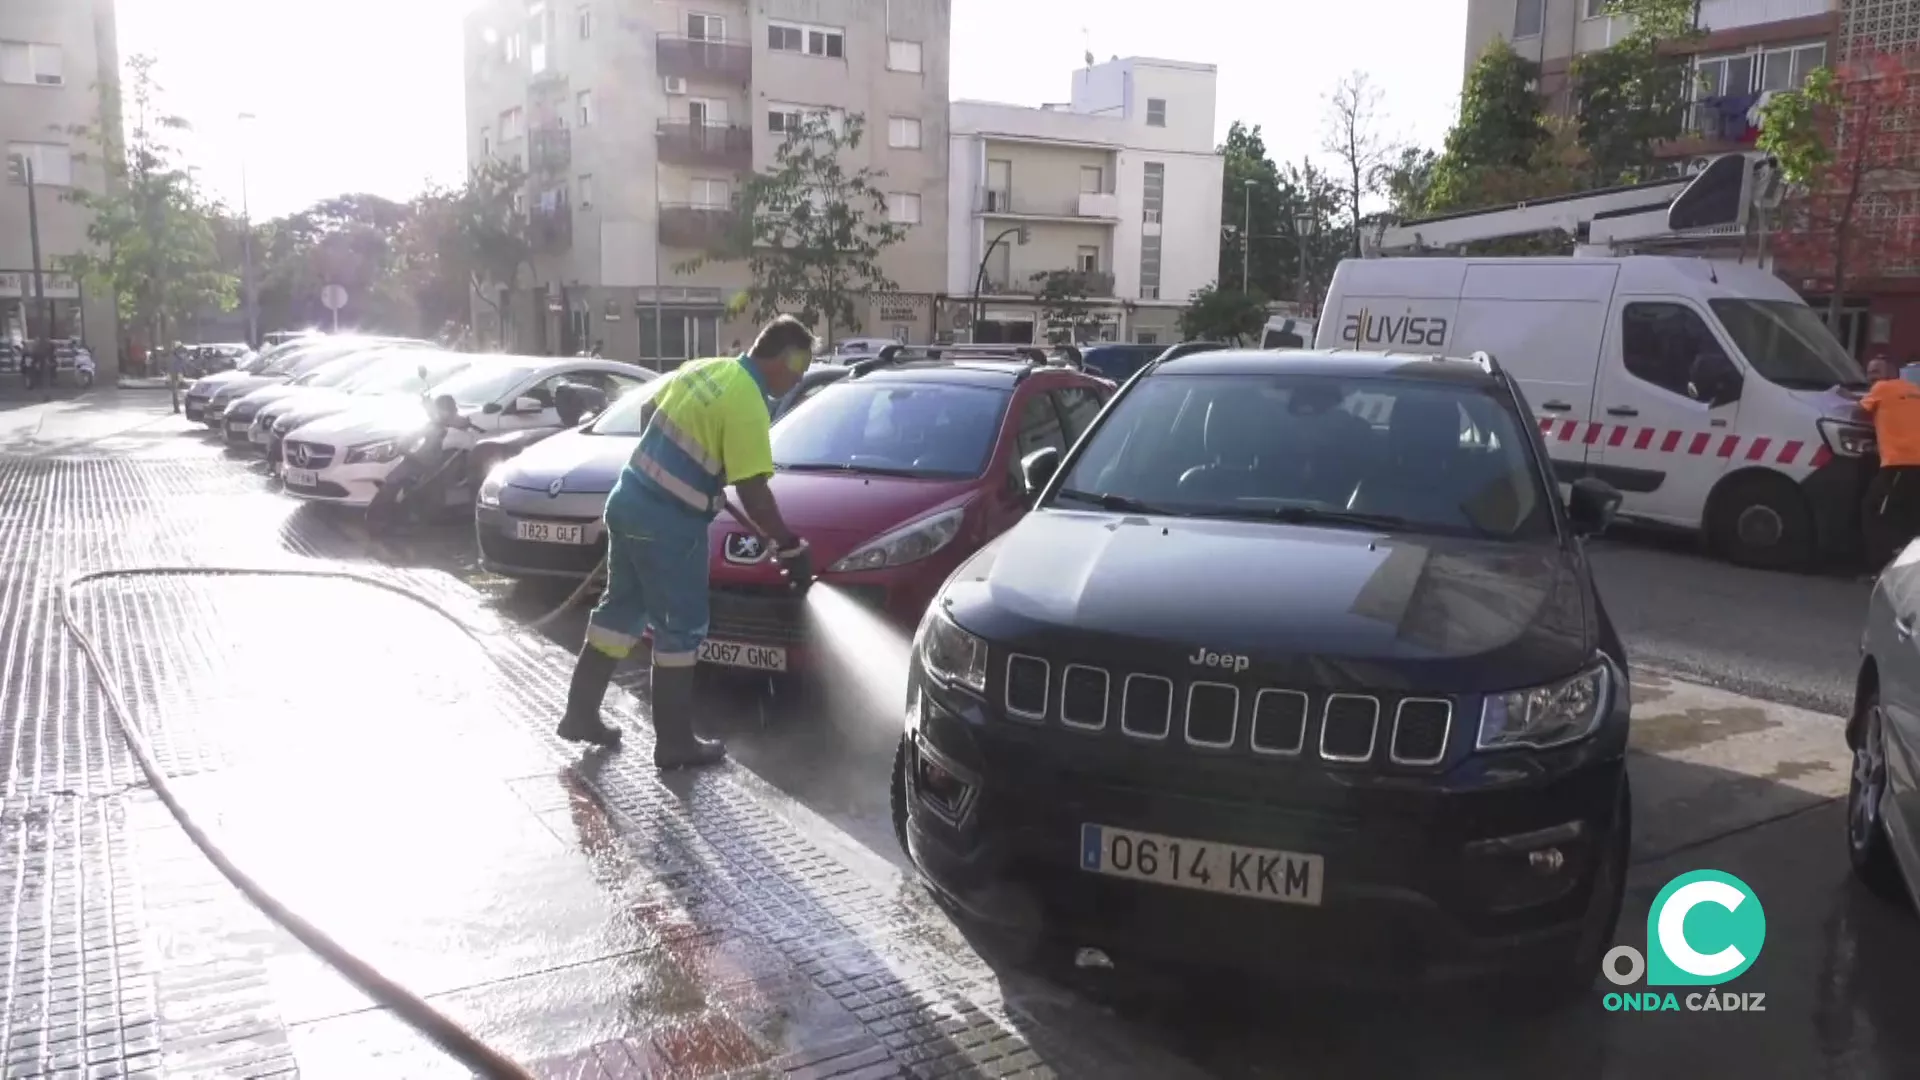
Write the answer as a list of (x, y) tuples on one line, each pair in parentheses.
[(341, 109)]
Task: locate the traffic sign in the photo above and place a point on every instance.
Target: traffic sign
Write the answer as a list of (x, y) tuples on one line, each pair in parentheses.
[(334, 297)]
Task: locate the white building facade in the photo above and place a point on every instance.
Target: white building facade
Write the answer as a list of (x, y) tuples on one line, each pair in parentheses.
[(1112, 201)]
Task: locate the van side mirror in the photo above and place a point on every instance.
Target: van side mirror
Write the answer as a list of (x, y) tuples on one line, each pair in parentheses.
[(1037, 468), (1714, 379), (1592, 506)]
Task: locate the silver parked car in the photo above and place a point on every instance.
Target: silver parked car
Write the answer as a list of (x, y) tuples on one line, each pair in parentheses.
[(1883, 801)]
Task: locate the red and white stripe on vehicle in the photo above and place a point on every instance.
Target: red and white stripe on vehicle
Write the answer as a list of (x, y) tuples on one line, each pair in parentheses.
[(1759, 449)]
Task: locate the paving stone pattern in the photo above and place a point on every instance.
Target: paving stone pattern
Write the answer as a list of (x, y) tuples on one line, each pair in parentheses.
[(122, 953)]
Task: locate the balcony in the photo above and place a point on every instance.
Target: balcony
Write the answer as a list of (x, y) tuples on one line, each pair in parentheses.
[(711, 146), (550, 149), (691, 225), (1076, 206), (1087, 283), (683, 57), (550, 225)]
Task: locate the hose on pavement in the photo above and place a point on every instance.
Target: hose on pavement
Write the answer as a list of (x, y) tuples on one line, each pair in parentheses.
[(598, 577), (442, 1029)]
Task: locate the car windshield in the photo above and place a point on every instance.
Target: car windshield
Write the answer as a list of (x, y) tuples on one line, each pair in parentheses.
[(339, 371), (478, 385), (399, 373), (895, 428), (1404, 454), (1787, 344), (624, 416)]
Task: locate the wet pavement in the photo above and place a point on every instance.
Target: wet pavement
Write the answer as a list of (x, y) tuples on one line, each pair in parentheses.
[(388, 770)]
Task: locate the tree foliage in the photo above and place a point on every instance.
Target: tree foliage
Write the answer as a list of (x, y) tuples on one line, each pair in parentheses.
[(1847, 141), (1500, 132), (812, 230), (1250, 188), (1353, 135), (1215, 314), (152, 233), (1633, 95), (1064, 303)]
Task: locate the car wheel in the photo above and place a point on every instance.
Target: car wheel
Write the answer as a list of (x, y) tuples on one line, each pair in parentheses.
[(1867, 847), (1761, 520), (897, 796)]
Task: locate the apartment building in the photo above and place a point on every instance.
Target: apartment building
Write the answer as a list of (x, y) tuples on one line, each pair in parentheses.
[(637, 124), (54, 57), (1119, 189)]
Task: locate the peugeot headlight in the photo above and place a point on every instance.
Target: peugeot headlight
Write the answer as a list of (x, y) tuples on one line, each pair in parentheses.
[(1847, 439), (949, 653), (490, 488), (372, 453), (1547, 716), (908, 543)]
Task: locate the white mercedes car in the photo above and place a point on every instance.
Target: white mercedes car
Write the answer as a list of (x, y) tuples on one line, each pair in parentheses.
[(344, 457)]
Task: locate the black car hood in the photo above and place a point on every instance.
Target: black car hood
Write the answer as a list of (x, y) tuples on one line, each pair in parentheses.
[(1306, 605)]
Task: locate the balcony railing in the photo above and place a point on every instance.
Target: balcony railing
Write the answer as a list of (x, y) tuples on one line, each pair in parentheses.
[(550, 149), (703, 58), (1087, 283), (550, 227), (1093, 205), (691, 225), (713, 146)]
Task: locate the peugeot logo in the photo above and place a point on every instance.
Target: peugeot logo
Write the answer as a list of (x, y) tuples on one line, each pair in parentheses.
[(745, 548), (299, 455), (553, 489)]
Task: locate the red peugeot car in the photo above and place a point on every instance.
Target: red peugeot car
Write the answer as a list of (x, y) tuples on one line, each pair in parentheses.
[(894, 475)]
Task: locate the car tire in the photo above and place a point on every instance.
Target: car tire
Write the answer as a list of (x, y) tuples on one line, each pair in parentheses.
[(1761, 520), (1867, 846), (897, 797)]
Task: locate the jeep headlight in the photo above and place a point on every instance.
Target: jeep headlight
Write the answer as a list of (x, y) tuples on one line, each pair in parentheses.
[(908, 543), (1547, 716), (373, 452), (949, 653)]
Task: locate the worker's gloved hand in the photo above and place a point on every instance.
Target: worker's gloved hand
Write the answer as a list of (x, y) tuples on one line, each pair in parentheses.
[(796, 565)]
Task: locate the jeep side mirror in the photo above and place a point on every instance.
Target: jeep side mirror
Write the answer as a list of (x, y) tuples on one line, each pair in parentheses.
[(1592, 505), (1037, 468)]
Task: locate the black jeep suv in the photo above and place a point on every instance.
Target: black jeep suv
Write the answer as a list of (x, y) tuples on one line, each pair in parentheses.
[(1297, 667)]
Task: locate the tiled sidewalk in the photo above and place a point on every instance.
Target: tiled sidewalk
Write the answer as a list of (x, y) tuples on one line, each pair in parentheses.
[(393, 777)]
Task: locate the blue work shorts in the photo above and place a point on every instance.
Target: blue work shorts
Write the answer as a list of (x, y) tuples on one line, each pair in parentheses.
[(656, 580)]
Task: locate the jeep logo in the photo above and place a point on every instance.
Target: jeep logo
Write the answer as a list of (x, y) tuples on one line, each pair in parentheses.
[(1224, 661)]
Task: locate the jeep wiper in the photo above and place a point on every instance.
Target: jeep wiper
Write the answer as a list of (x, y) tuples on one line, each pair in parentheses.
[(1121, 503)]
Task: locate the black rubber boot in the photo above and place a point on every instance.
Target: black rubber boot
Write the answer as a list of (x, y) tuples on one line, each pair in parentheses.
[(675, 746), (582, 723)]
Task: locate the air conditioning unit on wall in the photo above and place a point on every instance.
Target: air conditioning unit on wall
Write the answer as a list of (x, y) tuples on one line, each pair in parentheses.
[(675, 84)]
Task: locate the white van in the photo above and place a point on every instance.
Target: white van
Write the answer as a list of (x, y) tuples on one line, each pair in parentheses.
[(1707, 392)]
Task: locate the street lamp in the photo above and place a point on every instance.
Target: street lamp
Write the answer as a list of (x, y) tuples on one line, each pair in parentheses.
[(1305, 223), (1246, 237), (246, 244), (1019, 233)]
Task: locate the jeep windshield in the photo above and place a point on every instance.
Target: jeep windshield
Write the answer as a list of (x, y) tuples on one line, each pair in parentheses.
[(892, 428), (1396, 454), (1788, 345)]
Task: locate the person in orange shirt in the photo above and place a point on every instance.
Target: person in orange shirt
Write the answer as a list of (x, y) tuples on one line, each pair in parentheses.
[(1892, 512)]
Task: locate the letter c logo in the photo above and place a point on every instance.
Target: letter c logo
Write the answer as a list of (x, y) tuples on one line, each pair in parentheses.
[(1728, 929)]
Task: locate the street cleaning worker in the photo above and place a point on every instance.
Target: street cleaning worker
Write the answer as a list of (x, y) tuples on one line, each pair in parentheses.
[(708, 428), (1892, 512)]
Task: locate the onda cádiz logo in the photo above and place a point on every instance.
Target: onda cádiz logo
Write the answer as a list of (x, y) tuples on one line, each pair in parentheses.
[(1705, 928), (1366, 328)]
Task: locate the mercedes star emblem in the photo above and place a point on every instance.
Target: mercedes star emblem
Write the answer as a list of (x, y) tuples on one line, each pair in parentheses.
[(300, 455)]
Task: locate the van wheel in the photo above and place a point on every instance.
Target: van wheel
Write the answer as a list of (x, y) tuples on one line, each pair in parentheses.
[(1761, 520)]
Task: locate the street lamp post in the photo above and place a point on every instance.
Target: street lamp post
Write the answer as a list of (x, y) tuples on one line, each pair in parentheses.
[(251, 300), (1246, 238), (1019, 233), (1305, 223)]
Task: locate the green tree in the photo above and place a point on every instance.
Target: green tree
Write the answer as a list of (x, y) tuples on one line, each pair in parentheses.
[(490, 240), (1250, 188), (1633, 95), (1219, 315), (1353, 136), (1499, 132), (152, 233), (1320, 200), (812, 230), (1063, 296), (1408, 182)]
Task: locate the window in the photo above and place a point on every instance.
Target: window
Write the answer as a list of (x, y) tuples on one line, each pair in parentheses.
[(583, 102), (1087, 259), (903, 56), (903, 208), (709, 192), (24, 63), (1594, 9), (583, 22), (486, 144), (1040, 427), (1527, 16), (513, 47), (1788, 344), (1079, 404), (1787, 69), (52, 163), (537, 19), (706, 27), (512, 125), (585, 194), (903, 133), (1156, 112), (1146, 337), (1659, 344), (783, 121), (821, 41), (676, 336), (1091, 178), (921, 429)]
